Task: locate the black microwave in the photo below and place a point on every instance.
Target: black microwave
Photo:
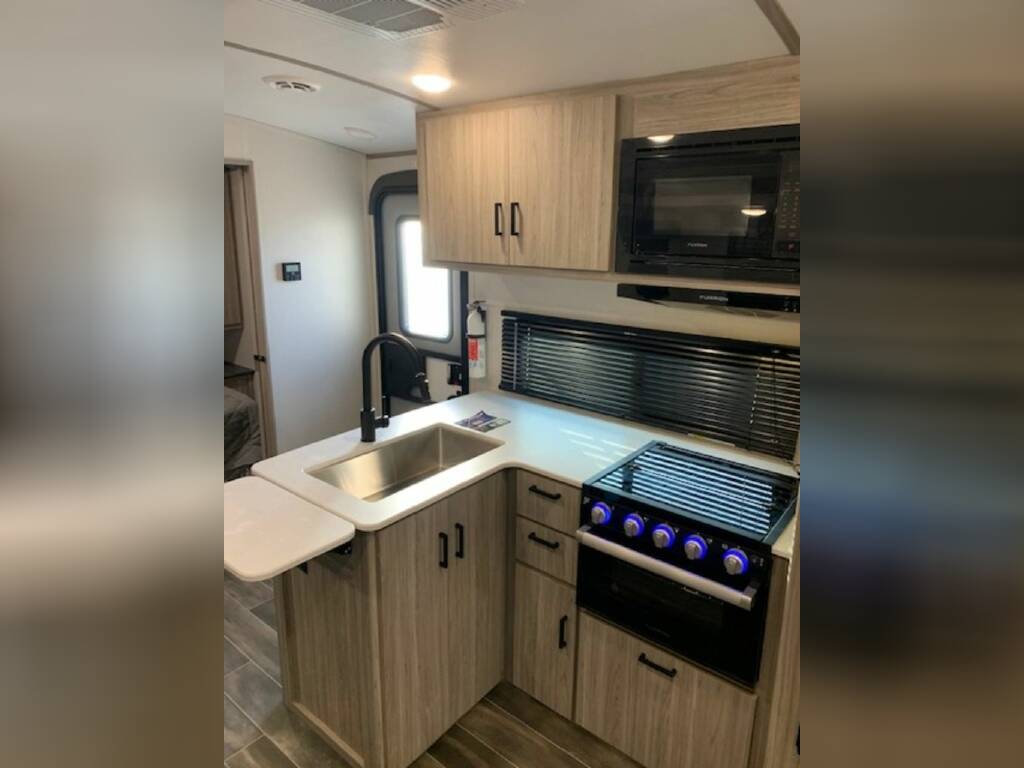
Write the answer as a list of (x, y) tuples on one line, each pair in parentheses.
[(721, 205)]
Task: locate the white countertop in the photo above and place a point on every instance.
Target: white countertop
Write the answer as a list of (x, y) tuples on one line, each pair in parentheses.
[(268, 530), (563, 443)]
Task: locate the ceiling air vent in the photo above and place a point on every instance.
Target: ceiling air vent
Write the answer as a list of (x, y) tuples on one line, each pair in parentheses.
[(397, 19), (291, 83)]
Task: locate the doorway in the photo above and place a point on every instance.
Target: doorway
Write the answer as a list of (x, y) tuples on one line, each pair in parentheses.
[(246, 364), (424, 304)]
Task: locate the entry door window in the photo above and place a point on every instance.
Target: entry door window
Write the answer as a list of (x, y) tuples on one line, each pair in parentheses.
[(424, 293)]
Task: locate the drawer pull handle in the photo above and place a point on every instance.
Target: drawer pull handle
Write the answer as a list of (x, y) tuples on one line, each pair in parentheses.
[(543, 542), (562, 642), (499, 218), (460, 541), (657, 667), (444, 549), (515, 220), (546, 494)]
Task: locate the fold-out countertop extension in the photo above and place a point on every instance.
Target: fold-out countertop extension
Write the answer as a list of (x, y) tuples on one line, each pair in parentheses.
[(268, 530)]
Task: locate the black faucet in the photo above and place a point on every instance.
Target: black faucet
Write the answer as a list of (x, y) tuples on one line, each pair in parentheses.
[(368, 421)]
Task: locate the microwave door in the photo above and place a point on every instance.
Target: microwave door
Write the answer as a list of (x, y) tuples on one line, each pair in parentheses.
[(714, 208)]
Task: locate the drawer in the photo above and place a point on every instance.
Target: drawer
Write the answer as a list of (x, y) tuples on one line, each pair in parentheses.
[(655, 707), (546, 549), (546, 501)]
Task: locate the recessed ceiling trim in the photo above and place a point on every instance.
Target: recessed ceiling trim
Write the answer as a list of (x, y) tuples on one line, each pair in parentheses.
[(783, 26), (327, 71)]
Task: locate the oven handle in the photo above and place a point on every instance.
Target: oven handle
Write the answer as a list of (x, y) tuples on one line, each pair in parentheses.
[(744, 599)]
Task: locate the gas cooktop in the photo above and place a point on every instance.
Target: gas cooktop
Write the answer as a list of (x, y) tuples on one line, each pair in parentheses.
[(751, 503)]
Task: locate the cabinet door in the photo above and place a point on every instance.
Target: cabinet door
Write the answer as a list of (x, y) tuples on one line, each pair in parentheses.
[(561, 178), (414, 633), (477, 518), (658, 709), (463, 177), (538, 170), (603, 679), (544, 639)]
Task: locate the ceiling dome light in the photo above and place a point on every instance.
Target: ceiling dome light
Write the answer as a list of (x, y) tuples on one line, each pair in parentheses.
[(432, 83), (360, 133), (757, 211), (663, 139)]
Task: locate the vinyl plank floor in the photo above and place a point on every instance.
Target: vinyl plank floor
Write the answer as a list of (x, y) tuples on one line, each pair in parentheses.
[(514, 740), (458, 748), (233, 658), (239, 730), (582, 745), (249, 594), (260, 754), (251, 636), (262, 700), (267, 613)]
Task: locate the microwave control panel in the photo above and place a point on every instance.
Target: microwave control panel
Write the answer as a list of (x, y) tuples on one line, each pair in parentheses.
[(787, 214)]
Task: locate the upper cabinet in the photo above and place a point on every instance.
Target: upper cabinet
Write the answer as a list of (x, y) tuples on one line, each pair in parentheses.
[(529, 186), (464, 187), (529, 183)]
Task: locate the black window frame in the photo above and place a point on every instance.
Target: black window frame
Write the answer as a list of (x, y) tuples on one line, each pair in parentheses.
[(401, 289)]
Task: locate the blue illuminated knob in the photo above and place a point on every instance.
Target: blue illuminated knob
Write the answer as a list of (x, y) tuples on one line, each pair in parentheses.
[(695, 547), (600, 513), (633, 525), (663, 536), (735, 561)]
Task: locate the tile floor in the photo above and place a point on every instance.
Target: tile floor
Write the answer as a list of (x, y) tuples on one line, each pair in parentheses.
[(508, 729)]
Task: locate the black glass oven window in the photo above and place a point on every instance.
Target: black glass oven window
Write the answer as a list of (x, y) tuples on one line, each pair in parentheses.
[(703, 205)]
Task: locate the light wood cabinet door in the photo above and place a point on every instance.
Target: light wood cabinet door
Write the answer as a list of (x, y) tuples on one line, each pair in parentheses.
[(414, 633), (561, 179), (464, 176), (544, 639), (477, 521), (658, 709)]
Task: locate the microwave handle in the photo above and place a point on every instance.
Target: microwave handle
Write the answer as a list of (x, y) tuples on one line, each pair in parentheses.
[(744, 599)]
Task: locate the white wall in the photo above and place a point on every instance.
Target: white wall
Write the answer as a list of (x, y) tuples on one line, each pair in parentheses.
[(310, 199)]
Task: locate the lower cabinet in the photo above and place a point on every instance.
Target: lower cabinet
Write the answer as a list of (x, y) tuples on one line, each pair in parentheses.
[(661, 711), (544, 639), (385, 648)]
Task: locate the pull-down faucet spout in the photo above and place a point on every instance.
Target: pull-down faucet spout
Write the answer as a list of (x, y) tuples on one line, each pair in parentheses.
[(368, 421)]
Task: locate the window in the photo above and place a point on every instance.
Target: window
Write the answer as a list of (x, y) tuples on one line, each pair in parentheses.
[(424, 293)]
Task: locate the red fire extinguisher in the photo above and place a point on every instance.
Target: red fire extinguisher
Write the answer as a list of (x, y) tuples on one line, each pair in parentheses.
[(476, 340)]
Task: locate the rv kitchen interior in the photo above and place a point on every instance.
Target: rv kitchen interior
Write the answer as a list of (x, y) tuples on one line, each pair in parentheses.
[(511, 384)]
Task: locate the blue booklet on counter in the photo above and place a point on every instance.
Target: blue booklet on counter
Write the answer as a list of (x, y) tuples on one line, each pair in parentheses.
[(482, 422)]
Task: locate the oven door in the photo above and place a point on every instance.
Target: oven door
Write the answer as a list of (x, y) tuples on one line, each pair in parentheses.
[(718, 207), (722, 637)]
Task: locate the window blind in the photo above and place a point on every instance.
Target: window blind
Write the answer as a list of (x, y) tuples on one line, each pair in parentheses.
[(743, 393)]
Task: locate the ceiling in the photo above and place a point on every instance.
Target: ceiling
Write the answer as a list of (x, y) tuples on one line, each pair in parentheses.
[(528, 47)]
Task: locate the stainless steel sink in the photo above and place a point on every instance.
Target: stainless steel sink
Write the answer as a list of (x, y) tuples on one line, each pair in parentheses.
[(398, 464)]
